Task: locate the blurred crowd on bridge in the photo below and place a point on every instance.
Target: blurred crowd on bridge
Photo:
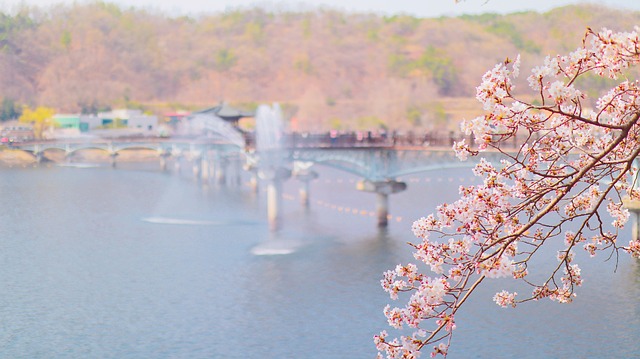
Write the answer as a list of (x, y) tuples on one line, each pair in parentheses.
[(336, 138)]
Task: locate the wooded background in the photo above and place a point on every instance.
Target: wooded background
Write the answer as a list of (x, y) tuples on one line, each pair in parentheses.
[(327, 69)]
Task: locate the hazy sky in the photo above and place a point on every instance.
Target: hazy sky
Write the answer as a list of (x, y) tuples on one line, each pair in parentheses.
[(421, 8)]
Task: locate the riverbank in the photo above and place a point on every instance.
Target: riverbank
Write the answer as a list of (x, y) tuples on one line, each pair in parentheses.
[(18, 158)]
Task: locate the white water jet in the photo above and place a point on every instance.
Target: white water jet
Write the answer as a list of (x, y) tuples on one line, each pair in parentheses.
[(269, 128), (276, 247), (214, 125), (179, 221)]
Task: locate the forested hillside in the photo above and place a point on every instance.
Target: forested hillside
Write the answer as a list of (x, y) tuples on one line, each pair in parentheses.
[(328, 69)]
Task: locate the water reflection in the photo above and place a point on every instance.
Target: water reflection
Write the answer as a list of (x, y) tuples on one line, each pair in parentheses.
[(138, 264)]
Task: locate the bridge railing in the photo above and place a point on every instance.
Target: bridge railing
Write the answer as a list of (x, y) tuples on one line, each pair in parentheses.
[(352, 139), (374, 139)]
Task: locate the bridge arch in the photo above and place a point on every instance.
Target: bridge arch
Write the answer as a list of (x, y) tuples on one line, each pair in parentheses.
[(345, 164)]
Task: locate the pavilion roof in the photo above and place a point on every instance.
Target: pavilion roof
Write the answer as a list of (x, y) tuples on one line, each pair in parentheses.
[(225, 111)]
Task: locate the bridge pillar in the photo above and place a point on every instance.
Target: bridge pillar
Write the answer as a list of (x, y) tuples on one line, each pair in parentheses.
[(197, 167), (305, 177), (634, 207), (176, 164), (635, 227), (113, 156), (205, 168), (253, 179), (275, 178), (382, 209), (251, 166), (382, 189), (38, 156), (221, 170), (237, 165), (163, 160), (163, 163)]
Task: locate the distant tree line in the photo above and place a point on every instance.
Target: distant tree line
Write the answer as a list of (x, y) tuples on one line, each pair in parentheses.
[(9, 110), (325, 64)]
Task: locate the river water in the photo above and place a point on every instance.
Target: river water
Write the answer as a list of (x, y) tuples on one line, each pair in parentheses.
[(135, 263)]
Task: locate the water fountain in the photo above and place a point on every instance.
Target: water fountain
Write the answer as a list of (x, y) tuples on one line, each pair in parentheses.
[(633, 206), (213, 127), (269, 129)]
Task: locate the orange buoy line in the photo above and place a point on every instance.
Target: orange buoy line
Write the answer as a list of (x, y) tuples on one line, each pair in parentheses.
[(365, 212), (409, 180), (343, 209)]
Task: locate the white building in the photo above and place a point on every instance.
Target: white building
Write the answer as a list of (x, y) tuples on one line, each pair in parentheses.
[(131, 119), (92, 122)]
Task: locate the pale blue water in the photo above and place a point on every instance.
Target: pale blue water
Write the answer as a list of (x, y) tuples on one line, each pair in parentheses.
[(126, 263)]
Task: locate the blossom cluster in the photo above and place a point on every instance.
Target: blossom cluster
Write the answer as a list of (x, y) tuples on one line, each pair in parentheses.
[(575, 164)]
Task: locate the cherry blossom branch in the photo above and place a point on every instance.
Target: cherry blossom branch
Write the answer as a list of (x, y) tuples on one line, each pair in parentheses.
[(576, 163)]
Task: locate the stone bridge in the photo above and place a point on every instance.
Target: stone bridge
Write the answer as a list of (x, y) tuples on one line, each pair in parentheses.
[(379, 166)]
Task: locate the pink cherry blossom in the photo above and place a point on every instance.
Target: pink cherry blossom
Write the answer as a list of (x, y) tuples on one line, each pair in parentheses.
[(505, 299), (565, 184)]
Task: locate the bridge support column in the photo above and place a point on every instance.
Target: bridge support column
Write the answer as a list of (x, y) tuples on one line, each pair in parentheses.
[(382, 209), (253, 177), (205, 168), (253, 181), (382, 189), (113, 155), (237, 165), (38, 156), (176, 164), (635, 227), (196, 162), (163, 163), (305, 177), (163, 160), (275, 178), (221, 171), (634, 207), (253, 174)]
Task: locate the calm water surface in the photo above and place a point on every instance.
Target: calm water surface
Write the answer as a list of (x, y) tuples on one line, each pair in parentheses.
[(130, 263)]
